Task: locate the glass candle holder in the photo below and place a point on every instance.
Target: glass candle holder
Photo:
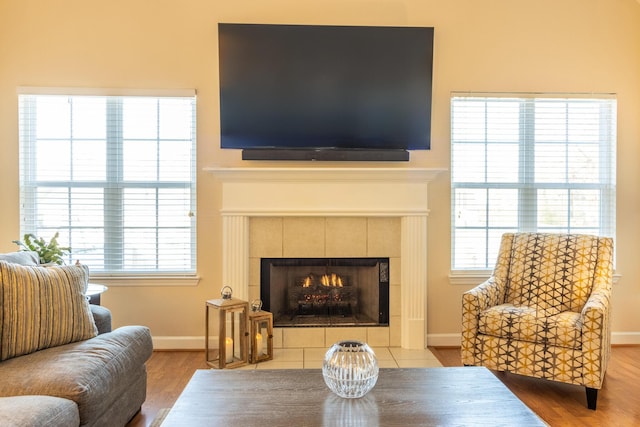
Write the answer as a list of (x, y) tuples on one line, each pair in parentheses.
[(350, 369)]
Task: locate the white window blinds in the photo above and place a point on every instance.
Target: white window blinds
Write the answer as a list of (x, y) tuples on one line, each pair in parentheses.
[(114, 175), (529, 163)]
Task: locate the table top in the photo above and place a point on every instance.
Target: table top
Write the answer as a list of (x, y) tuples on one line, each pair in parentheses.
[(95, 289), (401, 397)]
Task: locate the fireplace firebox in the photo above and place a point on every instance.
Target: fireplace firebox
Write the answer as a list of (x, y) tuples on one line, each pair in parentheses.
[(326, 292)]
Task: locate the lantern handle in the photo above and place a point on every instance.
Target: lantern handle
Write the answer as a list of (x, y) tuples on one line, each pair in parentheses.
[(256, 305), (226, 292)]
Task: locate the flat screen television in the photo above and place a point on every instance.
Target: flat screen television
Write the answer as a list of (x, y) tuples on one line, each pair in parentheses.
[(323, 92)]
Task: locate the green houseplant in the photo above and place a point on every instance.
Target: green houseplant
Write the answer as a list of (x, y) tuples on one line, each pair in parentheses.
[(49, 253)]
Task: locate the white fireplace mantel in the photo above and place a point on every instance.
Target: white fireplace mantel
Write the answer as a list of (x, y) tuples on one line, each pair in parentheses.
[(328, 191)]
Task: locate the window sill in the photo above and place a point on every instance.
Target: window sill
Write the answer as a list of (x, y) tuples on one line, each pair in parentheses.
[(146, 280), (474, 278), (468, 278)]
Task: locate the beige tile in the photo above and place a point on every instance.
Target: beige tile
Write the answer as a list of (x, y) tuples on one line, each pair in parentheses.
[(312, 357), (276, 364), (419, 363), (378, 337), (303, 237), (277, 338), (312, 364), (395, 271), (395, 331), (334, 335), (346, 237), (288, 354), (383, 237), (254, 272), (409, 354), (383, 353), (314, 354), (265, 237), (254, 293), (303, 337), (248, 367), (387, 364), (395, 301)]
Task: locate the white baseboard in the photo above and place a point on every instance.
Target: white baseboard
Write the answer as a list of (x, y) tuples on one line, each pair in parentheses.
[(625, 338), (434, 340), (443, 340)]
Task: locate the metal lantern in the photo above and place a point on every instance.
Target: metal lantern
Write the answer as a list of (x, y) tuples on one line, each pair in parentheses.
[(261, 335), (226, 317)]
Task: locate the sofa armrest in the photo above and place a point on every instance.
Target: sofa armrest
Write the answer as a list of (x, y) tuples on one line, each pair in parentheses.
[(102, 318)]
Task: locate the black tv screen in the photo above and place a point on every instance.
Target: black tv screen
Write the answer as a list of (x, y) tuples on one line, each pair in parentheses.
[(316, 87)]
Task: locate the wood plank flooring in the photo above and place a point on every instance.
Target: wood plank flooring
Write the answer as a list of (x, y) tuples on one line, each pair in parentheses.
[(558, 404)]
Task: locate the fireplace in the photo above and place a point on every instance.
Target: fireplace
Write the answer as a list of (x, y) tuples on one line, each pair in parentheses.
[(326, 292), (380, 192)]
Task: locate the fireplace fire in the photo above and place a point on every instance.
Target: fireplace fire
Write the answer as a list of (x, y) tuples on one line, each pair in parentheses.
[(326, 291)]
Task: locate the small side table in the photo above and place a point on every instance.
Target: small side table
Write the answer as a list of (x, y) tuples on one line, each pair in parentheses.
[(94, 291)]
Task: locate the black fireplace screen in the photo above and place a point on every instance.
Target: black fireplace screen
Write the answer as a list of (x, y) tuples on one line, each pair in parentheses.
[(326, 291)]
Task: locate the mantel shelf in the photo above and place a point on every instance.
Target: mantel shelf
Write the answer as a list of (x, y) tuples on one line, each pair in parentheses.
[(324, 191)]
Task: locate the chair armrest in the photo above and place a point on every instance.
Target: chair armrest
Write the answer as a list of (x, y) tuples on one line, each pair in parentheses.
[(596, 336), (596, 319), (597, 305), (487, 294), (102, 318), (474, 301)]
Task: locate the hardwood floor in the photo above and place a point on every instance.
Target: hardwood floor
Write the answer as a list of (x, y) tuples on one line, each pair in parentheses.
[(168, 372), (558, 404), (564, 404)]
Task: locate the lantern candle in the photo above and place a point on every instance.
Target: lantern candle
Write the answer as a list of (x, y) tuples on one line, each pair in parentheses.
[(229, 349), (259, 344)]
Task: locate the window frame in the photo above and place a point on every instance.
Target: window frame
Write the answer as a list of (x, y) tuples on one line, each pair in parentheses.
[(30, 183), (526, 184)]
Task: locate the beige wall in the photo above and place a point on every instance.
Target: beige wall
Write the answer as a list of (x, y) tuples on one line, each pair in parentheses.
[(491, 45)]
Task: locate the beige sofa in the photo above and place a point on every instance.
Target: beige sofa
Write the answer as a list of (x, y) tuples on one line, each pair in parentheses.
[(60, 363)]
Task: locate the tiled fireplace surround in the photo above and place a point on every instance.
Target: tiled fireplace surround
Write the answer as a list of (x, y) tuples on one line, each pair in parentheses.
[(331, 212)]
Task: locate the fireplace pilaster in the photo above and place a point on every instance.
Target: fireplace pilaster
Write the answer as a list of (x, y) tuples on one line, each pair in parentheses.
[(414, 281), (235, 254)]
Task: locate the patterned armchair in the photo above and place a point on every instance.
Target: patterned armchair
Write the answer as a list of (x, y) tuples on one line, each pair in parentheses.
[(545, 310)]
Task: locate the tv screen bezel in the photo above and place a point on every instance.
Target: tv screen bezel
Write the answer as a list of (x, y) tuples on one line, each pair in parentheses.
[(305, 148)]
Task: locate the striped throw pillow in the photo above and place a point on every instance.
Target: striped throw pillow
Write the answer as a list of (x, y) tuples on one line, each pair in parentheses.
[(42, 307)]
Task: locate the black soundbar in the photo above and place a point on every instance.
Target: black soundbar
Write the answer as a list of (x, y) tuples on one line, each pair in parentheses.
[(326, 154)]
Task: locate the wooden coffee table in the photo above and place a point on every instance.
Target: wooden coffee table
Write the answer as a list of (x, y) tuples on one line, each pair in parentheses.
[(402, 397)]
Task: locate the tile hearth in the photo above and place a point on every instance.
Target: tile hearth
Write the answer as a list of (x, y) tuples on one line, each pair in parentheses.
[(311, 358)]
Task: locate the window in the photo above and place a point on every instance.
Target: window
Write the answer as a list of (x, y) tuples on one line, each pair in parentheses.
[(529, 163), (114, 175)]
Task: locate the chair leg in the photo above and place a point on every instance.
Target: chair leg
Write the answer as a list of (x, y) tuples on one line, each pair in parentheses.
[(592, 397)]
